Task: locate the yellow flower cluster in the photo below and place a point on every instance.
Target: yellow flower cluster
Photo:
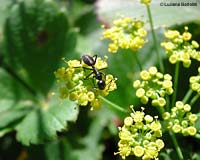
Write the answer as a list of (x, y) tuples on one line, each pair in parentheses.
[(77, 86), (195, 82), (181, 120), (153, 85), (179, 48), (140, 136), (126, 33), (146, 2)]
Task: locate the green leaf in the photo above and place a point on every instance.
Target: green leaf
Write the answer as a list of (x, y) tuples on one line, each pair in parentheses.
[(36, 37), (11, 89), (13, 114), (13, 101), (42, 123), (168, 15), (4, 5), (84, 142)]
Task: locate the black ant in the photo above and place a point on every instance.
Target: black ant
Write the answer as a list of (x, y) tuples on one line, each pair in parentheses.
[(91, 61)]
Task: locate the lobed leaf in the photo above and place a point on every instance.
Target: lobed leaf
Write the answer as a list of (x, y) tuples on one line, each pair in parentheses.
[(36, 38), (42, 124)]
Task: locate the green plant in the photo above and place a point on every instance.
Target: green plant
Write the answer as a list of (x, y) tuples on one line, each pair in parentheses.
[(154, 71)]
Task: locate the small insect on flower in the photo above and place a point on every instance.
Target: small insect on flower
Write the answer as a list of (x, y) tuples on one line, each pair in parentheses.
[(91, 61), (74, 81)]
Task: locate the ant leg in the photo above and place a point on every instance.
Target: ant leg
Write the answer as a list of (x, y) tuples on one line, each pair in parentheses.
[(88, 75), (102, 68), (95, 58), (87, 68), (94, 83)]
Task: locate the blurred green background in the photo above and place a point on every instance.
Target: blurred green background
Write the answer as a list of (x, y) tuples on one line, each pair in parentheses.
[(34, 36)]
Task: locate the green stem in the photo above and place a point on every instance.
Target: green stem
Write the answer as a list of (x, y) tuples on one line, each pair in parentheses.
[(138, 61), (161, 110), (187, 96), (168, 103), (178, 150), (112, 105), (176, 75), (155, 39), (194, 99)]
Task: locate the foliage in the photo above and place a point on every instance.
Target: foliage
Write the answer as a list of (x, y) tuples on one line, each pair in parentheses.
[(35, 123)]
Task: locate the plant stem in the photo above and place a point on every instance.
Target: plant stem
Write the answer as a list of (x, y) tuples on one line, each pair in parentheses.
[(160, 110), (138, 61), (112, 105), (194, 99), (178, 150), (187, 96), (155, 39), (168, 103), (176, 75)]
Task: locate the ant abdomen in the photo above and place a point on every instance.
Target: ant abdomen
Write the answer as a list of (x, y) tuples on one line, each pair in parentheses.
[(90, 61)]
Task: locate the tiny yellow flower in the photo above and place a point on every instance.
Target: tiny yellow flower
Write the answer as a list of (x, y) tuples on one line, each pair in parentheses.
[(128, 121), (138, 116), (160, 144), (195, 44), (140, 92), (191, 130), (192, 117), (187, 36), (138, 151), (145, 75), (148, 118), (155, 126)]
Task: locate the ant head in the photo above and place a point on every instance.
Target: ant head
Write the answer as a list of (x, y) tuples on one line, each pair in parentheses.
[(101, 84)]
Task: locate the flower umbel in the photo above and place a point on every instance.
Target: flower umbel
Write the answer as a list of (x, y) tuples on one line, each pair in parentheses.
[(126, 33), (140, 136), (179, 47), (153, 85), (77, 82), (181, 119)]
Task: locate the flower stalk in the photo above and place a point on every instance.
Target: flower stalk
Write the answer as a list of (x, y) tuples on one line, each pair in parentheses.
[(177, 148), (187, 96), (138, 62), (194, 99), (176, 76), (161, 66), (112, 105)]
